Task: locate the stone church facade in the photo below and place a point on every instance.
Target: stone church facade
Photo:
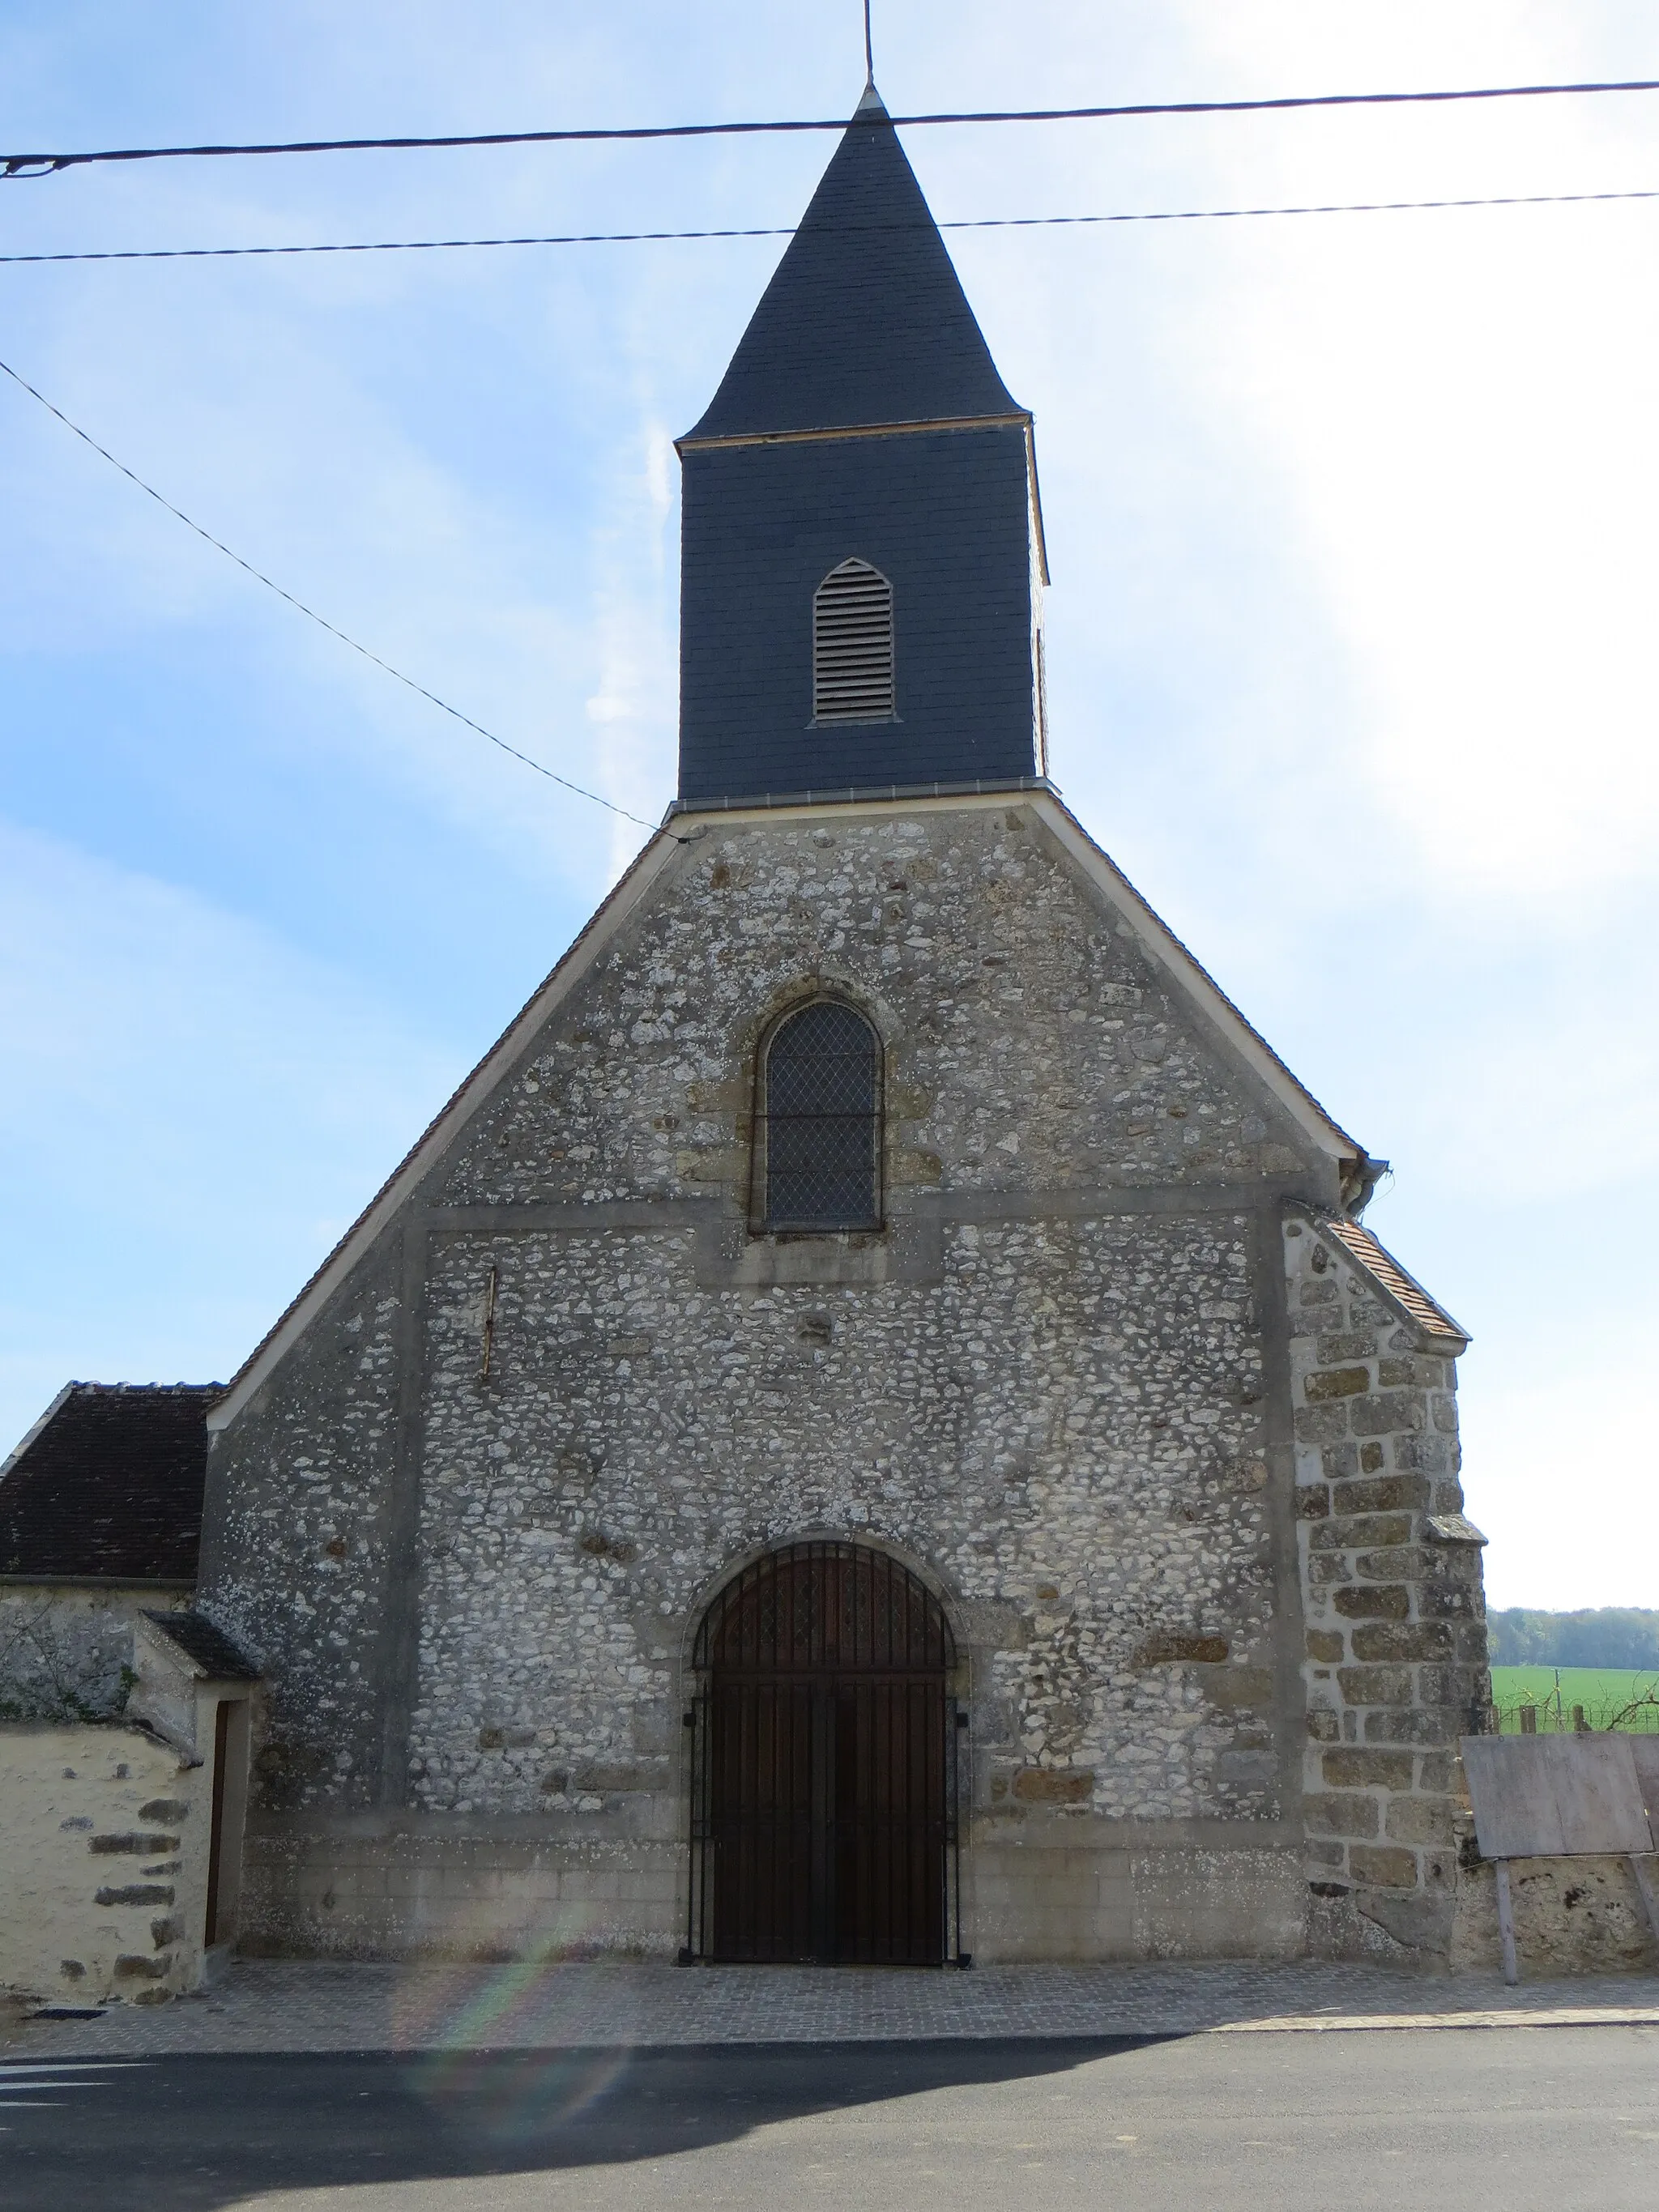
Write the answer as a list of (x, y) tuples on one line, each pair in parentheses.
[(870, 1428)]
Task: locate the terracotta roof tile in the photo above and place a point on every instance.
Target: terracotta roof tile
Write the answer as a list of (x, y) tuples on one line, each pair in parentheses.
[(1386, 1272)]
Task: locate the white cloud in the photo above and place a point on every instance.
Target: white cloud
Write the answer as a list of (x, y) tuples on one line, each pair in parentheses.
[(1563, 1478), (1456, 426), (1459, 406)]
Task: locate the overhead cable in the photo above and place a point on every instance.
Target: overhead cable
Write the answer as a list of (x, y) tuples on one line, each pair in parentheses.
[(18, 165), (311, 613), (786, 230)]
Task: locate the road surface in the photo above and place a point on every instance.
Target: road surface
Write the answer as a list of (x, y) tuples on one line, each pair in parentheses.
[(1545, 2119)]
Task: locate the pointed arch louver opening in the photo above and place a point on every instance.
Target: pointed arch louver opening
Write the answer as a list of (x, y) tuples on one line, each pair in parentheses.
[(852, 646)]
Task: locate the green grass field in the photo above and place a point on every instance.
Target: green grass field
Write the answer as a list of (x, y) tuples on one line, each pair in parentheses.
[(1602, 1691)]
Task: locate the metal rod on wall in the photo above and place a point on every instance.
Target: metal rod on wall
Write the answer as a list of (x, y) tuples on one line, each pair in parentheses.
[(487, 1342)]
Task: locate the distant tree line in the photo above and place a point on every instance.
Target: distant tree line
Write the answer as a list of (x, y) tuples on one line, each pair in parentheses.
[(1605, 1636)]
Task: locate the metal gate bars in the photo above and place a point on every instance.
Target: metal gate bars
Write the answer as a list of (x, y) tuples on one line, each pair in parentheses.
[(825, 1766)]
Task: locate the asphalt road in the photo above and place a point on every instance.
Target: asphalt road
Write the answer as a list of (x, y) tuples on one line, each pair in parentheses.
[(1478, 2120)]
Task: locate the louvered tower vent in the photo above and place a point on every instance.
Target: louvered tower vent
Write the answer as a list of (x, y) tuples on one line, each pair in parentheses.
[(852, 646)]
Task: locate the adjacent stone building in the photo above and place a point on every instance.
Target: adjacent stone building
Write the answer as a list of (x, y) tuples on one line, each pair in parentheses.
[(100, 1518), (870, 1428), (123, 1714)]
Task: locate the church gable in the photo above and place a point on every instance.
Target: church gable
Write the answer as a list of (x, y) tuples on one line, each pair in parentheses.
[(1030, 1038), (1041, 1030)]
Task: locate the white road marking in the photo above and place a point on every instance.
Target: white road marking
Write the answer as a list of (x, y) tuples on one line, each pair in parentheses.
[(63, 2076)]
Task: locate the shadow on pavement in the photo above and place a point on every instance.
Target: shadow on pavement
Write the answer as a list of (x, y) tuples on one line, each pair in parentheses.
[(200, 2132)]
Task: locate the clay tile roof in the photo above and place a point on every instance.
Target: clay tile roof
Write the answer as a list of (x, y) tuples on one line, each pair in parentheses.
[(205, 1646), (1386, 1272), (108, 1486)]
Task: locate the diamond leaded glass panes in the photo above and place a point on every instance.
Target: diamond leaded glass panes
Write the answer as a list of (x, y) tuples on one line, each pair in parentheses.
[(823, 1100)]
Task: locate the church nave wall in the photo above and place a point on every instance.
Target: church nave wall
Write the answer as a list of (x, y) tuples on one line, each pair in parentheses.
[(298, 1536), (1064, 1428), (468, 1523)]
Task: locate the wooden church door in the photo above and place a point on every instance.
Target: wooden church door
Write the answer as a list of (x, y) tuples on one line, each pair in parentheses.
[(824, 1823)]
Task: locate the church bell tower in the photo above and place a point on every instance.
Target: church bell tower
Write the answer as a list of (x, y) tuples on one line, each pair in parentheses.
[(862, 562)]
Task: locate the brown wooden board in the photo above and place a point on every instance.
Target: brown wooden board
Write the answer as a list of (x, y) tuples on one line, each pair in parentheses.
[(1552, 1796)]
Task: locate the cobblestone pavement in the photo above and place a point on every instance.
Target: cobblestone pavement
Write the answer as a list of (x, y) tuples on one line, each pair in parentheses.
[(284, 2006)]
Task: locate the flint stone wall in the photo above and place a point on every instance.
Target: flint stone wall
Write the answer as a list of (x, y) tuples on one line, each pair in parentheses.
[(1057, 1383), (638, 1433), (1571, 1915)]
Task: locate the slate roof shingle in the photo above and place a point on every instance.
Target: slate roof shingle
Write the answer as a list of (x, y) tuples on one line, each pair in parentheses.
[(205, 1646), (864, 320), (108, 1486)]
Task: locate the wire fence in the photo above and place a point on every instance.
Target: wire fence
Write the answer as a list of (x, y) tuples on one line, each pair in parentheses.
[(1556, 1713)]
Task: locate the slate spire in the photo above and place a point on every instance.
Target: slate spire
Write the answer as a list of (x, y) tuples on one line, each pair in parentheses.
[(864, 320), (861, 551)]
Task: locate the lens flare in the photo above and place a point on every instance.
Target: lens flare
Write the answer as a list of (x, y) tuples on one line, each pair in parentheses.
[(511, 2050)]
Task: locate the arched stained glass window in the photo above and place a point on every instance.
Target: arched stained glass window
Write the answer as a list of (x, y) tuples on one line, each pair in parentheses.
[(822, 1110), (852, 646)]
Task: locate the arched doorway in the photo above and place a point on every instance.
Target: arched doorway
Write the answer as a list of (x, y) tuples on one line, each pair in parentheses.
[(825, 1766)]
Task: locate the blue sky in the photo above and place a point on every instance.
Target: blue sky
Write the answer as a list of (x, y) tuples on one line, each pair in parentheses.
[(1350, 520)]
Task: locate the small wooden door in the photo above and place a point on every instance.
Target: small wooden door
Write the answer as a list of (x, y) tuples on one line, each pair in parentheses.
[(826, 1801), (212, 1933)]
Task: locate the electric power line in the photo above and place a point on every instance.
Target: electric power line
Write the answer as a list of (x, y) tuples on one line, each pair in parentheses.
[(787, 230), (311, 613), (19, 165)]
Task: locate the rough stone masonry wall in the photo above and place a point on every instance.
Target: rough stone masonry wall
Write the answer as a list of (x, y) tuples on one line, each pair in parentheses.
[(66, 1649), (1397, 1640), (295, 1541), (1031, 1044), (103, 1844), (1066, 1424), (1048, 1383)]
